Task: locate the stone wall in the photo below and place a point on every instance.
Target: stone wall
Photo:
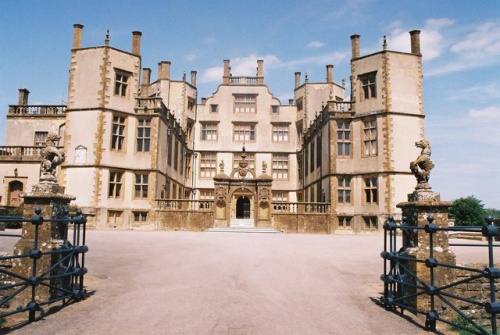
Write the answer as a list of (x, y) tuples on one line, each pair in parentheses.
[(301, 223), (478, 290), (184, 220)]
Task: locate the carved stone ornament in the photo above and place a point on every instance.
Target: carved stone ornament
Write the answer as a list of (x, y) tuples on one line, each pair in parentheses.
[(422, 166), (220, 196), (264, 195), (51, 158)]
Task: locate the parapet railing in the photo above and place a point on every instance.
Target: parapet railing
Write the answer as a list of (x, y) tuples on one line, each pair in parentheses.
[(45, 110), (300, 207), (20, 152), (402, 286), (62, 279), (243, 80), (185, 204)]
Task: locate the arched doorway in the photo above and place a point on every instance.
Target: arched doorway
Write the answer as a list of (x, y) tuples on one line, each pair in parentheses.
[(15, 190), (243, 208)]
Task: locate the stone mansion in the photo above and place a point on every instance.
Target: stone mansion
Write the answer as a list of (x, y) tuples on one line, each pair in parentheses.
[(144, 153)]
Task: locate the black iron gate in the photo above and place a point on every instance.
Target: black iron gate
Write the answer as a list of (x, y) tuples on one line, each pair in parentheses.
[(63, 278), (402, 285)]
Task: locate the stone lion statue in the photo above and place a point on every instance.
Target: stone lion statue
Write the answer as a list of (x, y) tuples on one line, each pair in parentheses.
[(422, 166), (51, 158)]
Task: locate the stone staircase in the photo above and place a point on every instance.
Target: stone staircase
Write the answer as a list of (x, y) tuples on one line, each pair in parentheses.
[(241, 226)]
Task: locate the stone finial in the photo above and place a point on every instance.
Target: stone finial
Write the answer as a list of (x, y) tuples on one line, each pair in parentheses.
[(106, 41), (384, 45), (51, 158)]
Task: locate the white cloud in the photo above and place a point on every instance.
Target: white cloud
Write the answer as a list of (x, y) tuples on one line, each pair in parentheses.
[(315, 44), (488, 113), (240, 66), (474, 93), (431, 38), (190, 57), (483, 44)]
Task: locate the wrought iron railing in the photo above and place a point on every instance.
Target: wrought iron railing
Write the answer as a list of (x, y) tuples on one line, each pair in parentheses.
[(402, 285), (62, 279)]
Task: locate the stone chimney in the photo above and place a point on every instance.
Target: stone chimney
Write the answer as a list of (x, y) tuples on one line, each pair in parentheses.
[(297, 79), (415, 42), (146, 79), (203, 101), (77, 36), (164, 70), (329, 73), (290, 102), (227, 72), (23, 97), (260, 71), (355, 46), (136, 43), (193, 78)]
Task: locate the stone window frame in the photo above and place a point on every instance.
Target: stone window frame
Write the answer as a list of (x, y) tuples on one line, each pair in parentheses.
[(211, 134), (214, 108), (368, 85), (207, 194), (281, 166), (345, 221), (141, 185), (143, 135), (140, 216), (370, 222), (40, 138), (244, 132), (245, 103), (344, 132), (370, 137), (280, 132), (280, 196), (344, 190), (208, 164), (115, 185), (370, 186), (275, 109), (118, 133), (122, 83), (115, 217)]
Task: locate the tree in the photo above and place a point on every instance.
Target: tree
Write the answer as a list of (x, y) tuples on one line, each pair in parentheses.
[(467, 211)]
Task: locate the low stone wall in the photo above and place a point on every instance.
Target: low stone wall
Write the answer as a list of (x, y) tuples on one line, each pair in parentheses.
[(478, 290), (184, 220), (302, 223)]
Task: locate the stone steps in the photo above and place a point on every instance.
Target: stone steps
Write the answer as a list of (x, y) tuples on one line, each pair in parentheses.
[(241, 230)]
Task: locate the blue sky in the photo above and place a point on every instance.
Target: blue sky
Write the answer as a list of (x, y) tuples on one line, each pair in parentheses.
[(460, 46)]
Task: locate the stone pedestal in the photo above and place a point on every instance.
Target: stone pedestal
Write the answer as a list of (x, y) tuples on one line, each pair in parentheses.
[(53, 204), (425, 207)]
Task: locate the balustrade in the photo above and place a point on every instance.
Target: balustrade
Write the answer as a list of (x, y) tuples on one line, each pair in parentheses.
[(45, 110)]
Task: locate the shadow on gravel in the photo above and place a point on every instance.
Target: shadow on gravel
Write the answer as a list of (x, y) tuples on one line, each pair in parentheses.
[(408, 318), (20, 320)]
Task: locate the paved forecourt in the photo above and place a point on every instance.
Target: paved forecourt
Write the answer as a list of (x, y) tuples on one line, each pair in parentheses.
[(229, 283)]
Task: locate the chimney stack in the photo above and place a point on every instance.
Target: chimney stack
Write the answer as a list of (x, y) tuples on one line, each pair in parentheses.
[(260, 71), (146, 79), (329, 73), (227, 72), (193, 78), (164, 70), (23, 97), (297, 79), (355, 46), (290, 102), (415, 42), (136, 43), (77, 36)]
